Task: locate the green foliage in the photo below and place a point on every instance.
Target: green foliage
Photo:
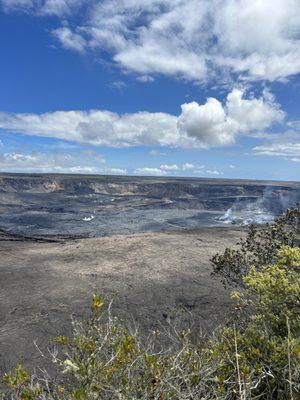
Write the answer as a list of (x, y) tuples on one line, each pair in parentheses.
[(259, 248), (289, 257), (20, 383), (269, 324)]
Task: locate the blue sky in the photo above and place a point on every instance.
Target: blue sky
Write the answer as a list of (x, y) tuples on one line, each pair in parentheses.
[(153, 87)]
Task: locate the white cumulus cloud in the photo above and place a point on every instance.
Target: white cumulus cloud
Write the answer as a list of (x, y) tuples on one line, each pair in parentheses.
[(71, 40), (278, 149), (213, 124), (51, 162), (196, 40), (169, 167), (198, 125), (187, 166), (214, 172), (149, 171), (286, 144), (59, 8)]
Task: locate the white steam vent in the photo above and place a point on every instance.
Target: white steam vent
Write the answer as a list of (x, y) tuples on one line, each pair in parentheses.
[(264, 210)]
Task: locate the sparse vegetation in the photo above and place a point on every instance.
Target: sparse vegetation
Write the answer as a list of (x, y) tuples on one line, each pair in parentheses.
[(256, 355)]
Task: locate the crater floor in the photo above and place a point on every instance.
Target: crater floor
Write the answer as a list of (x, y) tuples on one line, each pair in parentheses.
[(148, 274)]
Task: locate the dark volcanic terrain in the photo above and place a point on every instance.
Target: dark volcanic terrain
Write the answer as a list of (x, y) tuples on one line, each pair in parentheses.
[(145, 241), (92, 206), (148, 274)]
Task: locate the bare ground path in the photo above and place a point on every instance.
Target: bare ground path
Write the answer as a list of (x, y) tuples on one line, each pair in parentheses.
[(42, 283)]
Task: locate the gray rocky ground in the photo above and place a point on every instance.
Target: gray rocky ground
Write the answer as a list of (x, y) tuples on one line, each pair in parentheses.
[(148, 274)]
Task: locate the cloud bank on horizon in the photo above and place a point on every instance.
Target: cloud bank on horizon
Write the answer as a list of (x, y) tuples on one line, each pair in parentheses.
[(242, 47)]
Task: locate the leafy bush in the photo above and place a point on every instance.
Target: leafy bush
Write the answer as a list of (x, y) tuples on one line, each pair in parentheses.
[(268, 323)]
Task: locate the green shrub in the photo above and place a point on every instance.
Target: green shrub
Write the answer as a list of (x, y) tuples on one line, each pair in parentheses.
[(268, 321)]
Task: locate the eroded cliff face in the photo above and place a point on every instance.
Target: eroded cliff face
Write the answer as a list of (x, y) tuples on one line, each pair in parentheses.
[(40, 183), (19, 184)]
